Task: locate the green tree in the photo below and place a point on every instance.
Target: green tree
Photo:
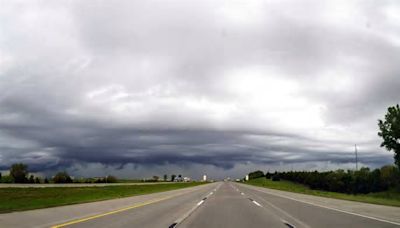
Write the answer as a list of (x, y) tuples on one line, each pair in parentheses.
[(165, 177), (19, 172), (62, 177), (31, 179), (37, 180), (111, 179), (256, 174), (390, 176), (46, 181), (390, 132), (173, 177), (7, 179)]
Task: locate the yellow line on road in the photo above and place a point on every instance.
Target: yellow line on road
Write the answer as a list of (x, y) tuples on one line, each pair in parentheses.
[(112, 212)]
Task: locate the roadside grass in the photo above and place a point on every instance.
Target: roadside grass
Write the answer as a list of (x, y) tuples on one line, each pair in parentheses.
[(129, 181), (389, 198), (20, 199)]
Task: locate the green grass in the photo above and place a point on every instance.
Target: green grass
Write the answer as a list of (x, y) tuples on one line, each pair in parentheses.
[(19, 199), (390, 198), (129, 181)]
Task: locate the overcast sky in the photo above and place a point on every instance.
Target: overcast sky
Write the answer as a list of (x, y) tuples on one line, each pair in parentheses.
[(142, 88)]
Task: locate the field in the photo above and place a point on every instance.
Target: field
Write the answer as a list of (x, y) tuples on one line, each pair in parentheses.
[(390, 198), (19, 199)]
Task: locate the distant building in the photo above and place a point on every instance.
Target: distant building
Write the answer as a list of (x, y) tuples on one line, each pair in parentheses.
[(186, 179), (178, 179), (204, 178)]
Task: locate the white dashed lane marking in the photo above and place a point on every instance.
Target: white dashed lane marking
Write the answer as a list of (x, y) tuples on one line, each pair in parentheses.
[(199, 203)]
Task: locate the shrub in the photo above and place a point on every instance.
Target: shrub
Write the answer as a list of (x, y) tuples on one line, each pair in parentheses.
[(7, 179), (62, 177), (268, 175), (276, 177), (111, 179)]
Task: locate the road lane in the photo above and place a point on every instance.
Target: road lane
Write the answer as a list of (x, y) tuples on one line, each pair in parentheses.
[(228, 208), (160, 214), (60, 215), (223, 204), (303, 214)]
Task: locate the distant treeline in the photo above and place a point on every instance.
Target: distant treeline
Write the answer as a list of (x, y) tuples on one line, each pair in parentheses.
[(19, 173), (352, 182)]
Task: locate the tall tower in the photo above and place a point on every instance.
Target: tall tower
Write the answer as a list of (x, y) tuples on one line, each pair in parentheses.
[(204, 178)]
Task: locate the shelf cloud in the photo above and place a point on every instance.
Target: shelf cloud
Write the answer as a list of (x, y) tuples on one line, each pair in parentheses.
[(223, 87)]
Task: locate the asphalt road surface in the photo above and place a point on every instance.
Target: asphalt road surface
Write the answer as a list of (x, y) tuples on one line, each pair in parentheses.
[(222, 204)]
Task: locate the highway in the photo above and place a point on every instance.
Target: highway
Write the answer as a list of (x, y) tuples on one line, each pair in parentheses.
[(221, 204)]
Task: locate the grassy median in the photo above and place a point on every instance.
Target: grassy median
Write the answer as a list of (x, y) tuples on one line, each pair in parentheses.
[(390, 198), (19, 199)]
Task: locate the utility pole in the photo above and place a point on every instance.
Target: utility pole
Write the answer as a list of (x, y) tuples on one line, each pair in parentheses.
[(355, 147)]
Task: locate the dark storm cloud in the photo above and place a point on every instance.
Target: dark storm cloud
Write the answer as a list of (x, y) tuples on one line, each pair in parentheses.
[(195, 84)]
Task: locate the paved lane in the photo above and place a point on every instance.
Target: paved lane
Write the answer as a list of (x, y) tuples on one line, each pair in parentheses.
[(159, 214), (223, 204), (142, 208), (228, 208)]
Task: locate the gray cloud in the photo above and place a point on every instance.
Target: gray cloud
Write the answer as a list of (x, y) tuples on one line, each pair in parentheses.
[(195, 86)]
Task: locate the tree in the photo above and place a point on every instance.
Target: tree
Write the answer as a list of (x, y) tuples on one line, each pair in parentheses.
[(37, 180), (276, 177), (19, 172), (173, 177), (7, 179), (31, 179), (0, 177), (165, 177), (268, 175), (390, 132), (111, 179), (256, 174), (390, 176), (155, 178), (46, 181), (62, 177)]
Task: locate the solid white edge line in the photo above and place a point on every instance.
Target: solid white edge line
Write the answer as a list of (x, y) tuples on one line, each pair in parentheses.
[(334, 209), (283, 212)]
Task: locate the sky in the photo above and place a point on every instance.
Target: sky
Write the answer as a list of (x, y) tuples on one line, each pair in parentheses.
[(142, 88)]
